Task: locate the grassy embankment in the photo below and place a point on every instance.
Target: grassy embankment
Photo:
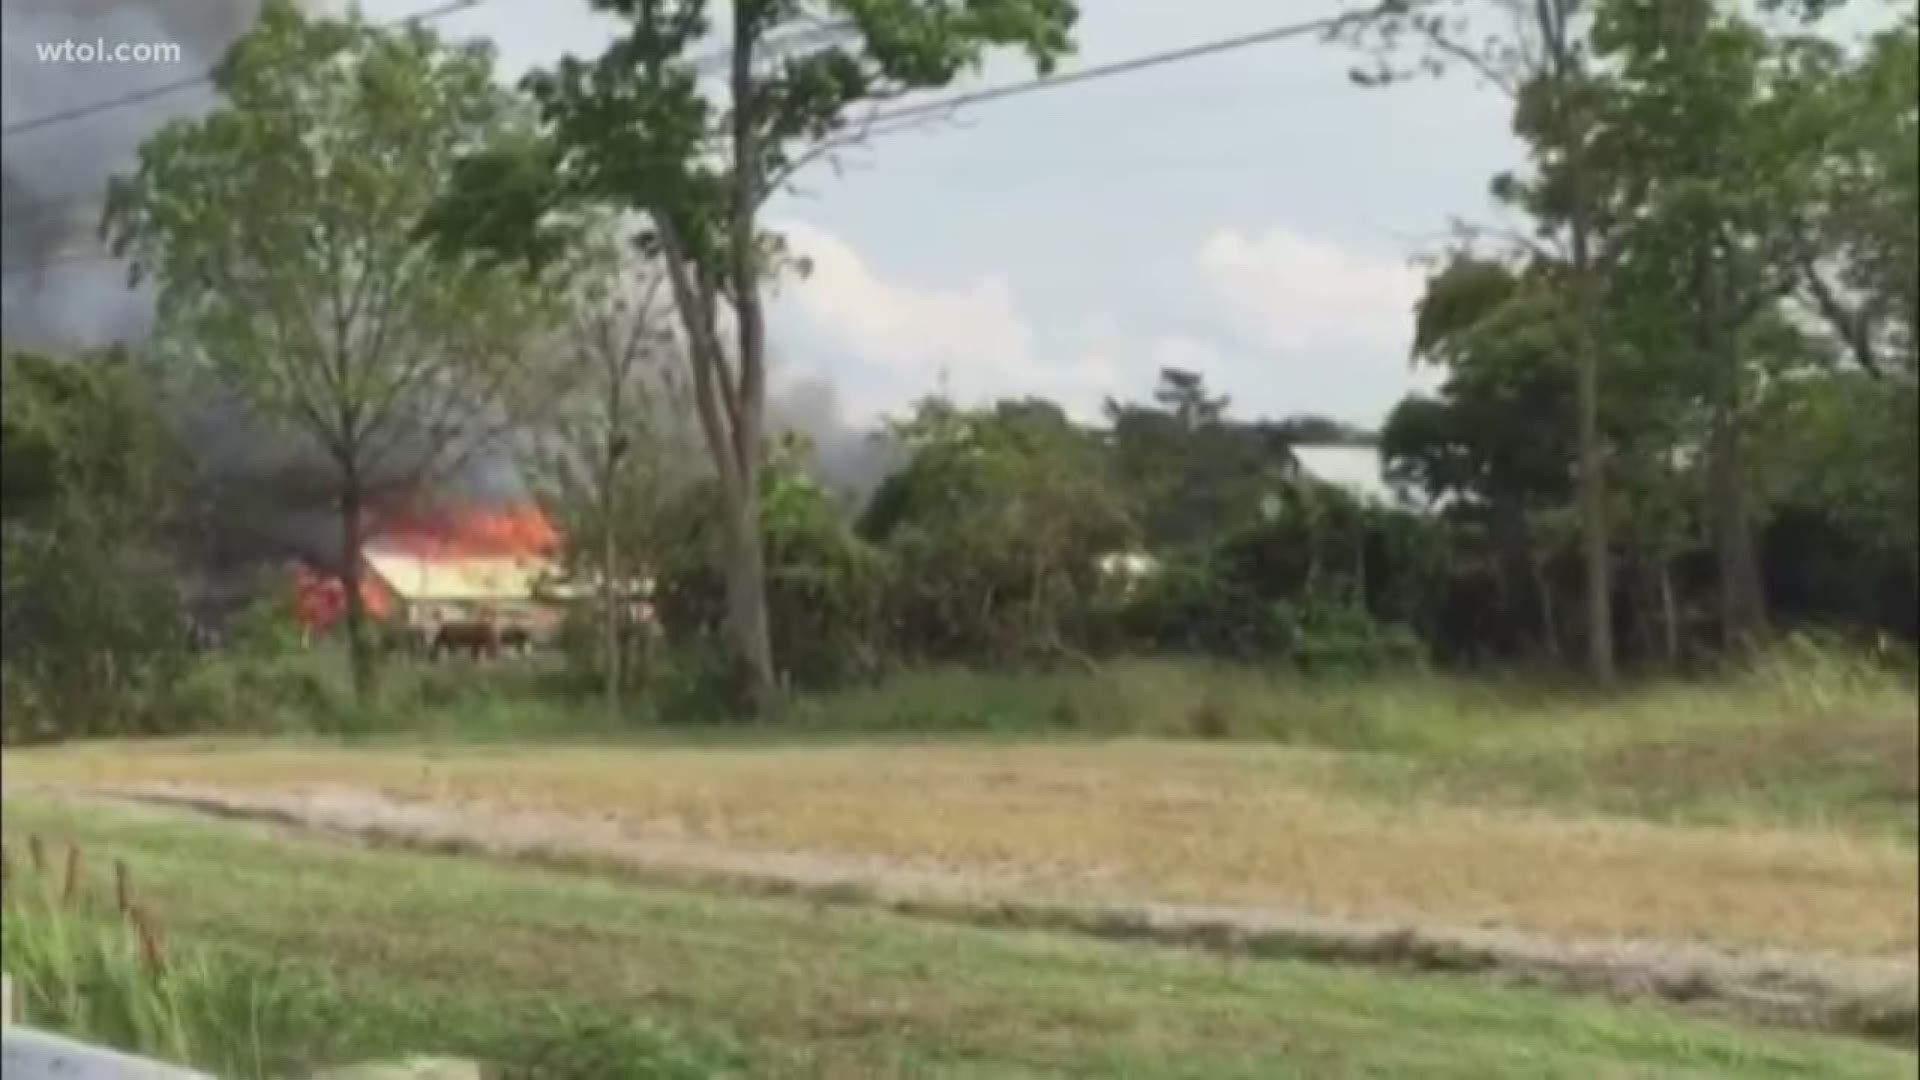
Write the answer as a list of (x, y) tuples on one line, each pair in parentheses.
[(309, 953)]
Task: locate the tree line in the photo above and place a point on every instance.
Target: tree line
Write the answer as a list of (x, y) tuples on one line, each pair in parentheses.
[(1676, 407)]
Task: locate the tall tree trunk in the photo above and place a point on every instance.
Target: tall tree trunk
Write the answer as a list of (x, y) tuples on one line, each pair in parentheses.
[(1669, 614), (1554, 20), (747, 603), (1543, 596), (609, 588), (360, 656), (1592, 493), (746, 580), (1743, 613)]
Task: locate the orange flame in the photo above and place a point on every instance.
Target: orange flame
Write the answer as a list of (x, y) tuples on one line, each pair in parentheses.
[(426, 533), (465, 532)]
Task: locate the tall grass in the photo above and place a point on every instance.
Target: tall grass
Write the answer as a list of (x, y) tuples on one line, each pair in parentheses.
[(105, 976), (1425, 713), (97, 966)]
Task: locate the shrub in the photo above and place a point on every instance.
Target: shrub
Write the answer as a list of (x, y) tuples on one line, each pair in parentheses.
[(1329, 636), (825, 584)]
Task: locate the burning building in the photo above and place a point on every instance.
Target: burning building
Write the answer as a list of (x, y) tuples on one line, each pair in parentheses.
[(444, 575)]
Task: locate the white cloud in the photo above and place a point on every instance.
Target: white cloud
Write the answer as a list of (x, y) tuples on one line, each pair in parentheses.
[(910, 331), (972, 335), (1336, 324), (1297, 326)]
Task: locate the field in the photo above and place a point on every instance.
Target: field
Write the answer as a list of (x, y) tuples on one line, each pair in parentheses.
[(966, 875)]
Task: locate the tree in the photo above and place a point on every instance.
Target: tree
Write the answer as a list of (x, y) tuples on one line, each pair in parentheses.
[(281, 229), (637, 129), (1490, 444), (1856, 235), (1712, 173), (93, 627), (1538, 57), (606, 450), (997, 525), (825, 584), (1194, 472)]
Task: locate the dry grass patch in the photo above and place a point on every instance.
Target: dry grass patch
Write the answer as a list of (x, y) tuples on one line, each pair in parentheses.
[(1142, 821)]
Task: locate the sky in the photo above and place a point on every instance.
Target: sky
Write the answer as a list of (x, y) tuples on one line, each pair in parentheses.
[(1253, 216)]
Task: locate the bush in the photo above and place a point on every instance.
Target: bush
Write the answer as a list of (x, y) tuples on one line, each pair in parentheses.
[(253, 693), (1322, 636), (93, 626), (825, 587)]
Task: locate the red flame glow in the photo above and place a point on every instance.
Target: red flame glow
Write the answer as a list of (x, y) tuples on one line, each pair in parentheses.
[(426, 533), (321, 599), (468, 532)]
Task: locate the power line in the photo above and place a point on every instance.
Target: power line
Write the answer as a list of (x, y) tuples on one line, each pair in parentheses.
[(910, 117), (1138, 63), (821, 34), (168, 89)]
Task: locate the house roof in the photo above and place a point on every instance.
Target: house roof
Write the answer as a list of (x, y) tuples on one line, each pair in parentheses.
[(414, 578), (1355, 468)]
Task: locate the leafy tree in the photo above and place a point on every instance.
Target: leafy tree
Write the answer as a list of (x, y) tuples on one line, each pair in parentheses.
[(637, 129), (1323, 431), (281, 231), (1192, 471), (1489, 444), (1856, 242), (1535, 51), (825, 584), (93, 629), (1712, 171), (995, 527)]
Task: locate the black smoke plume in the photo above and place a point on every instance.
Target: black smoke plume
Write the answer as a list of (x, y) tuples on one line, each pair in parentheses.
[(264, 495)]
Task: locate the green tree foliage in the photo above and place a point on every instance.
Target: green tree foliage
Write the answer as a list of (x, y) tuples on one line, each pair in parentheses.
[(1492, 446), (281, 230), (93, 630), (825, 585), (1705, 143), (637, 129), (1856, 229), (1537, 54), (995, 529), (1192, 471)]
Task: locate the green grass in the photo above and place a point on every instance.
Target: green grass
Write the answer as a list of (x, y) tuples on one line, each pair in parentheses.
[(110, 975), (431, 953)]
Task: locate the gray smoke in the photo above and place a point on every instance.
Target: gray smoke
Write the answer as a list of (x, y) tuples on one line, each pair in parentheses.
[(59, 291), (849, 460), (266, 494)]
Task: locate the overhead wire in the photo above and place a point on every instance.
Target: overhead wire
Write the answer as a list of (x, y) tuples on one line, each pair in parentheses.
[(205, 78), (886, 122)]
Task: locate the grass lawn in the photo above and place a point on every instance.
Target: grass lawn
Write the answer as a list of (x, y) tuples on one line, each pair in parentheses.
[(440, 953)]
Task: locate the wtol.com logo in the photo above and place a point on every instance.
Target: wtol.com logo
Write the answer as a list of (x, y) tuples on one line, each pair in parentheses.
[(102, 51)]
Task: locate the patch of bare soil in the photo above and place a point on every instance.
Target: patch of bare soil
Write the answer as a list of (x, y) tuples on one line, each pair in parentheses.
[(1869, 996)]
